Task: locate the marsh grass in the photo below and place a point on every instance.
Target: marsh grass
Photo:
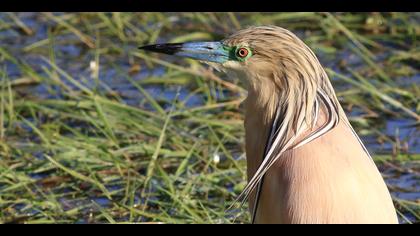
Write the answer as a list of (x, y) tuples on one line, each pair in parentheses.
[(92, 130)]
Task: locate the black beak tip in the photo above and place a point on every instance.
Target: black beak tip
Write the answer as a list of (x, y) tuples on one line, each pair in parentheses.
[(147, 47), (169, 48)]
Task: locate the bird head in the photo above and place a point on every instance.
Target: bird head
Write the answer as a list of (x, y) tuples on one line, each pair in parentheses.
[(262, 52)]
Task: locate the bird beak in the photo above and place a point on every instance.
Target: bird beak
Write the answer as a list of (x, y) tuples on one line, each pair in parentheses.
[(203, 51)]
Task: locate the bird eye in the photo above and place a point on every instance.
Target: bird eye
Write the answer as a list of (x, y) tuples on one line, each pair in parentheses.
[(242, 52)]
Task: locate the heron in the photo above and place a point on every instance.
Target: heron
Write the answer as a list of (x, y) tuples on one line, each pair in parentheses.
[(305, 162)]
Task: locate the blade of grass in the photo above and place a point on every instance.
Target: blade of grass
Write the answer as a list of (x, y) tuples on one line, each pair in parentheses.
[(77, 175)]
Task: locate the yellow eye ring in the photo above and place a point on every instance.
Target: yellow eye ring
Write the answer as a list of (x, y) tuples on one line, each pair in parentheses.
[(242, 52)]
